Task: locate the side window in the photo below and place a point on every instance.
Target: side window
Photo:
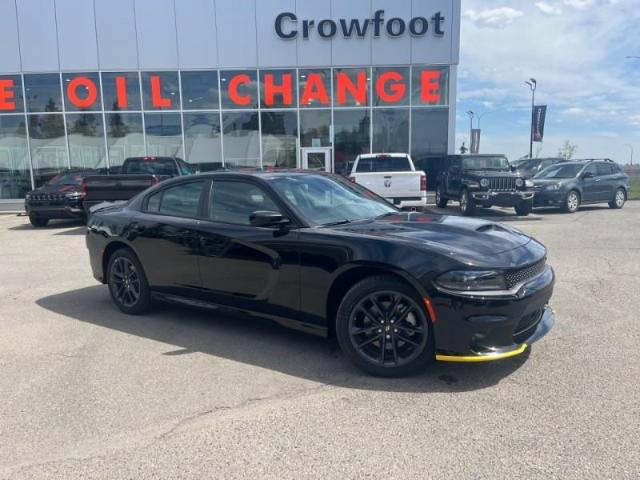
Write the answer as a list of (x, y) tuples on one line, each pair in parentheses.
[(603, 169), (590, 169), (233, 201), (180, 201)]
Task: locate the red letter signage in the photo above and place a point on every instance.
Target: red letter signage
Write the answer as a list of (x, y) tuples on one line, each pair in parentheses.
[(430, 86), (157, 100), (75, 99), (270, 90), (7, 96), (314, 90), (359, 92), (396, 90), (121, 92), (233, 90)]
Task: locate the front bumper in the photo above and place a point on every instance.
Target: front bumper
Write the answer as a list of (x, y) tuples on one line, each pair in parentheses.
[(59, 209), (480, 329), (502, 199), (549, 198)]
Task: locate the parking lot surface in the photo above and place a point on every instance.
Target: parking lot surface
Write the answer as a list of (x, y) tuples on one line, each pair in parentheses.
[(88, 392)]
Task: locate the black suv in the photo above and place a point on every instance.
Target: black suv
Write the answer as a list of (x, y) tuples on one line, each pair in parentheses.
[(571, 184), (530, 167), (484, 180)]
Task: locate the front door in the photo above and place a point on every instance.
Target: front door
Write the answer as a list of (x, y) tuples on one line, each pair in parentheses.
[(316, 159)]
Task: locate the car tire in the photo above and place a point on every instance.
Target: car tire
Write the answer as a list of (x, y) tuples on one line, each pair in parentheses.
[(524, 208), (467, 203), (128, 283), (441, 202), (572, 201), (38, 222), (619, 199), (383, 327)]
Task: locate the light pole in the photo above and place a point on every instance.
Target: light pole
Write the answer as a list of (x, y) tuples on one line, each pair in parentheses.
[(631, 152), (532, 85), (471, 114), (482, 115)]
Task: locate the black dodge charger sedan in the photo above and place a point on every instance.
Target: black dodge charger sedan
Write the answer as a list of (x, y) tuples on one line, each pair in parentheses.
[(321, 254)]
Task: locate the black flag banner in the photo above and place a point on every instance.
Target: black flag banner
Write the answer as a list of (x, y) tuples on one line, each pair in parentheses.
[(539, 115)]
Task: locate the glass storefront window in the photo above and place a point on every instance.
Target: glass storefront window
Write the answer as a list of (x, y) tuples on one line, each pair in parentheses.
[(390, 86), (86, 140), (239, 89), (391, 130), (121, 91), (429, 129), (164, 134), (278, 88), (279, 139), (199, 90), (124, 137), (15, 179), (160, 91), (48, 146), (430, 85), (42, 92), (11, 99), (351, 137), (315, 88), (351, 87), (81, 91), (241, 139), (202, 138), (315, 128)]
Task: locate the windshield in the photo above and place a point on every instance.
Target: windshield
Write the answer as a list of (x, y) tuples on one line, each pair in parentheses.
[(528, 164), (329, 200), (151, 166), (560, 171), (383, 163), (67, 179), (485, 163)]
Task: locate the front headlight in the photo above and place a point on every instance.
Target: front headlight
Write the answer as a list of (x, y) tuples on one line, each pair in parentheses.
[(472, 280), (519, 182), (484, 183), (555, 186), (471, 184), (528, 183)]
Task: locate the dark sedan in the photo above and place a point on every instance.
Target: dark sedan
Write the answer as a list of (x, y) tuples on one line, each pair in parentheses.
[(326, 256), (61, 197)]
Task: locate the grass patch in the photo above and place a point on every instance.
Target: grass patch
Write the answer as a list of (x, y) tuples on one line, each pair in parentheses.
[(634, 193)]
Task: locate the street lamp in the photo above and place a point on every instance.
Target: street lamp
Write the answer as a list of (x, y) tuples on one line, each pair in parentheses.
[(471, 114), (482, 115), (532, 85), (630, 148)]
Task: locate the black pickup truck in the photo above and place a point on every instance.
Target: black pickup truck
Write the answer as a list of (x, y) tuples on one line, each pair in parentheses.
[(137, 174), (483, 180)]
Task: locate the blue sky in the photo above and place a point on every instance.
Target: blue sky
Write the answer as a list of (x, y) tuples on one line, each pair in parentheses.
[(576, 50)]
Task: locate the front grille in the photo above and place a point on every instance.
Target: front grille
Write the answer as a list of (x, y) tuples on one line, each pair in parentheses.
[(527, 325), (502, 184), (520, 275), (48, 196)]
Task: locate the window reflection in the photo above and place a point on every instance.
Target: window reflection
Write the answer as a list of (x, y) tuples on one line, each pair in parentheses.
[(279, 139), (391, 130), (202, 138), (42, 92), (430, 85), (121, 91), (48, 146), (199, 90), (351, 137), (164, 134), (241, 139), (391, 86), (15, 179), (315, 88), (124, 137), (160, 91), (315, 128), (351, 87), (11, 100), (81, 91), (278, 88), (239, 89), (86, 140)]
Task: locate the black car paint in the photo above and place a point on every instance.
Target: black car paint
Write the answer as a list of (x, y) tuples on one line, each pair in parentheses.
[(453, 179), (592, 190), (296, 274), (58, 201)]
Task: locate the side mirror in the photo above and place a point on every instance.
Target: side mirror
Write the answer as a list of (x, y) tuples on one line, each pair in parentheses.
[(264, 218), (587, 175), (513, 168)]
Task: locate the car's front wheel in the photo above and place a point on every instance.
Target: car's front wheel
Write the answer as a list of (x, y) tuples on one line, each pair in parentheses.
[(127, 283), (441, 201), (38, 221), (572, 202), (467, 203), (383, 327), (619, 199), (524, 208)]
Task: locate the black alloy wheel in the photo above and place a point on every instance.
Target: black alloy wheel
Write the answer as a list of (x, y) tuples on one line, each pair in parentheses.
[(384, 329), (127, 283), (572, 202), (467, 203), (619, 199), (38, 221), (441, 202)]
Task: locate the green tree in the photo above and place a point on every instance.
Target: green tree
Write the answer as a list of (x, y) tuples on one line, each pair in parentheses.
[(568, 150)]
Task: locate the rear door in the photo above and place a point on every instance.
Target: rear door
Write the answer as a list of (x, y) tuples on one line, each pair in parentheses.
[(606, 181), (165, 236), (590, 184)]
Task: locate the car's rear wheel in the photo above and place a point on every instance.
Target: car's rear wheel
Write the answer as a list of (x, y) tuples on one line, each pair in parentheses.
[(383, 328), (37, 221), (127, 283), (441, 202), (467, 203), (572, 202), (524, 208), (619, 199)]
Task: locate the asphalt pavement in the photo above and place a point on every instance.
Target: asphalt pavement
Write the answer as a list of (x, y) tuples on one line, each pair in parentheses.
[(88, 392)]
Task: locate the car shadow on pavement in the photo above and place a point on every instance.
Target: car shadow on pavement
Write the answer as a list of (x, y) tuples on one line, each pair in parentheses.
[(52, 225), (494, 215), (259, 342)]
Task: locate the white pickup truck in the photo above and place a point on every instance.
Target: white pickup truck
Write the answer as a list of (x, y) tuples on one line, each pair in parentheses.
[(392, 176)]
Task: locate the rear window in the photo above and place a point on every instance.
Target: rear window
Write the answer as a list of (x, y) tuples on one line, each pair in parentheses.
[(383, 164), (150, 166)]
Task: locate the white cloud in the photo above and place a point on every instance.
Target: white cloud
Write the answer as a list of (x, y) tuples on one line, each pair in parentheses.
[(574, 111), (581, 4), (493, 17), (549, 9)]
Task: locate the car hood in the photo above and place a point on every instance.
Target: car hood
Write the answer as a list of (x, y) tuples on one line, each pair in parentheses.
[(549, 181), (57, 189), (474, 242)]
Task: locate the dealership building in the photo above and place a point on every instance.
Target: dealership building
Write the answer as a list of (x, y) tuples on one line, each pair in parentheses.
[(85, 84)]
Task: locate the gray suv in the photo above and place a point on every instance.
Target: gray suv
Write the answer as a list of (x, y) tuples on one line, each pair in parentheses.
[(570, 184)]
